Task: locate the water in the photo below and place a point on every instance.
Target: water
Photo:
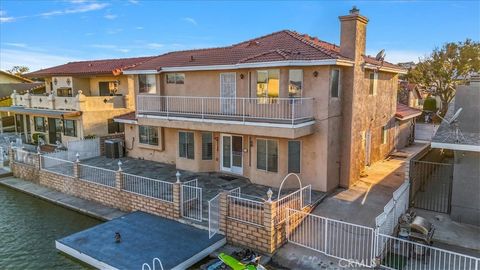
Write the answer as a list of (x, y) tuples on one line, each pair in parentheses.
[(29, 228)]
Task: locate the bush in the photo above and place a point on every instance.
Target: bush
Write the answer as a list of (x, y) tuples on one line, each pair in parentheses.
[(36, 136), (430, 104)]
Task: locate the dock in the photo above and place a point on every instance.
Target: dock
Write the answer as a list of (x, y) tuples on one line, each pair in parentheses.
[(144, 237)]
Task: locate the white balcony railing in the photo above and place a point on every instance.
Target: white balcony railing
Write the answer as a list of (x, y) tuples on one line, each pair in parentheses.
[(79, 102), (274, 110)]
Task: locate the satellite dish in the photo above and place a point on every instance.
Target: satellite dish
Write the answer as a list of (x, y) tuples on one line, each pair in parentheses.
[(380, 55), (454, 127), (455, 116)]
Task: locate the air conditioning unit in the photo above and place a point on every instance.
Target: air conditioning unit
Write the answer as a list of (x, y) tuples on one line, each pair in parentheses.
[(114, 148)]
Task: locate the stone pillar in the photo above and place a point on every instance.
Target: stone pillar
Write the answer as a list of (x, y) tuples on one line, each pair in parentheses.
[(223, 211), (177, 200), (76, 169), (118, 179), (269, 224)]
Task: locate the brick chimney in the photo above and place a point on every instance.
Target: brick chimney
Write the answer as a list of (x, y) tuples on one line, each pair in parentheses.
[(353, 33)]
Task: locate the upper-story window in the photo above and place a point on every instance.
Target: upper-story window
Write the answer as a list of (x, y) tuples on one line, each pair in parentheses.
[(372, 86), (295, 83), (64, 92), (107, 88), (175, 78), (335, 83), (147, 84), (268, 83)]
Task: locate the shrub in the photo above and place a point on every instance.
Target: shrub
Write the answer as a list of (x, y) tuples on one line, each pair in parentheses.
[(430, 104)]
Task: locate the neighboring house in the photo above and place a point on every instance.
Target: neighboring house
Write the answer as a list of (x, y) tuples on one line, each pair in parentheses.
[(81, 100), (465, 143), (405, 125), (8, 84), (278, 104), (6, 77), (409, 94), (407, 65)]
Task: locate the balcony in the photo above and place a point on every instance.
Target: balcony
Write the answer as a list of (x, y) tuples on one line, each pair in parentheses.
[(79, 102), (282, 111)]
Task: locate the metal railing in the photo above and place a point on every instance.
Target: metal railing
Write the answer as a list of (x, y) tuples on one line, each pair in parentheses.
[(191, 200), (56, 165), (23, 156), (431, 185), (337, 239), (245, 210), (148, 187), (397, 253), (295, 200), (96, 175), (281, 110), (213, 216)]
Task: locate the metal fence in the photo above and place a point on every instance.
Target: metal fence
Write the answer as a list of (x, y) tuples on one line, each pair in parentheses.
[(295, 200), (191, 200), (396, 253), (289, 110), (96, 175), (148, 187), (214, 216), (244, 209), (338, 239), (361, 246), (431, 185), (56, 165), (23, 156)]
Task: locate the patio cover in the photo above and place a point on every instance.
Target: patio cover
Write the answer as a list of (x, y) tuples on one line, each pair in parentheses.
[(40, 112)]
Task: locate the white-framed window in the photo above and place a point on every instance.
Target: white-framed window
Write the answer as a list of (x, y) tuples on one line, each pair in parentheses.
[(372, 86), (175, 78), (39, 124), (147, 83), (295, 83), (70, 128), (384, 134), (186, 145), (148, 135), (335, 83), (268, 84), (294, 156), (267, 155), (207, 146)]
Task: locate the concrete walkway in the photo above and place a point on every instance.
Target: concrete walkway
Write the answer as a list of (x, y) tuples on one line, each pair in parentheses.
[(90, 208), (365, 200)]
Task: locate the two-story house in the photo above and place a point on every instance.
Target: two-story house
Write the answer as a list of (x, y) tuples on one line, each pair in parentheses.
[(80, 100), (278, 104)]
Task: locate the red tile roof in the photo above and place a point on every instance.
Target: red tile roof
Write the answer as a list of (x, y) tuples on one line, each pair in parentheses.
[(278, 46), (371, 60), (404, 112), (106, 66)]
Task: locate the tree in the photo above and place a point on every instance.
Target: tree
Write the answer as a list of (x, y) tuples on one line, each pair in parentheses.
[(18, 70), (445, 68)]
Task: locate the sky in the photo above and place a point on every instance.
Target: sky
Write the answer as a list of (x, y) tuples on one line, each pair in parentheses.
[(41, 34)]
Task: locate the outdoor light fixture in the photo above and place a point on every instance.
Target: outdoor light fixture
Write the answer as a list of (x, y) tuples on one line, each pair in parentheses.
[(315, 74), (242, 76)]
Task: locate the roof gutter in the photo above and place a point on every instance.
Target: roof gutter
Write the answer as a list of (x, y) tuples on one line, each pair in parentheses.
[(326, 62), (453, 146), (386, 69)]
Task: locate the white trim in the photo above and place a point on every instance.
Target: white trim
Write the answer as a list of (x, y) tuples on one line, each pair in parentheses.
[(339, 83), (200, 255), (82, 257), (325, 62), (227, 122), (236, 170), (125, 121), (454, 146), (146, 71)]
